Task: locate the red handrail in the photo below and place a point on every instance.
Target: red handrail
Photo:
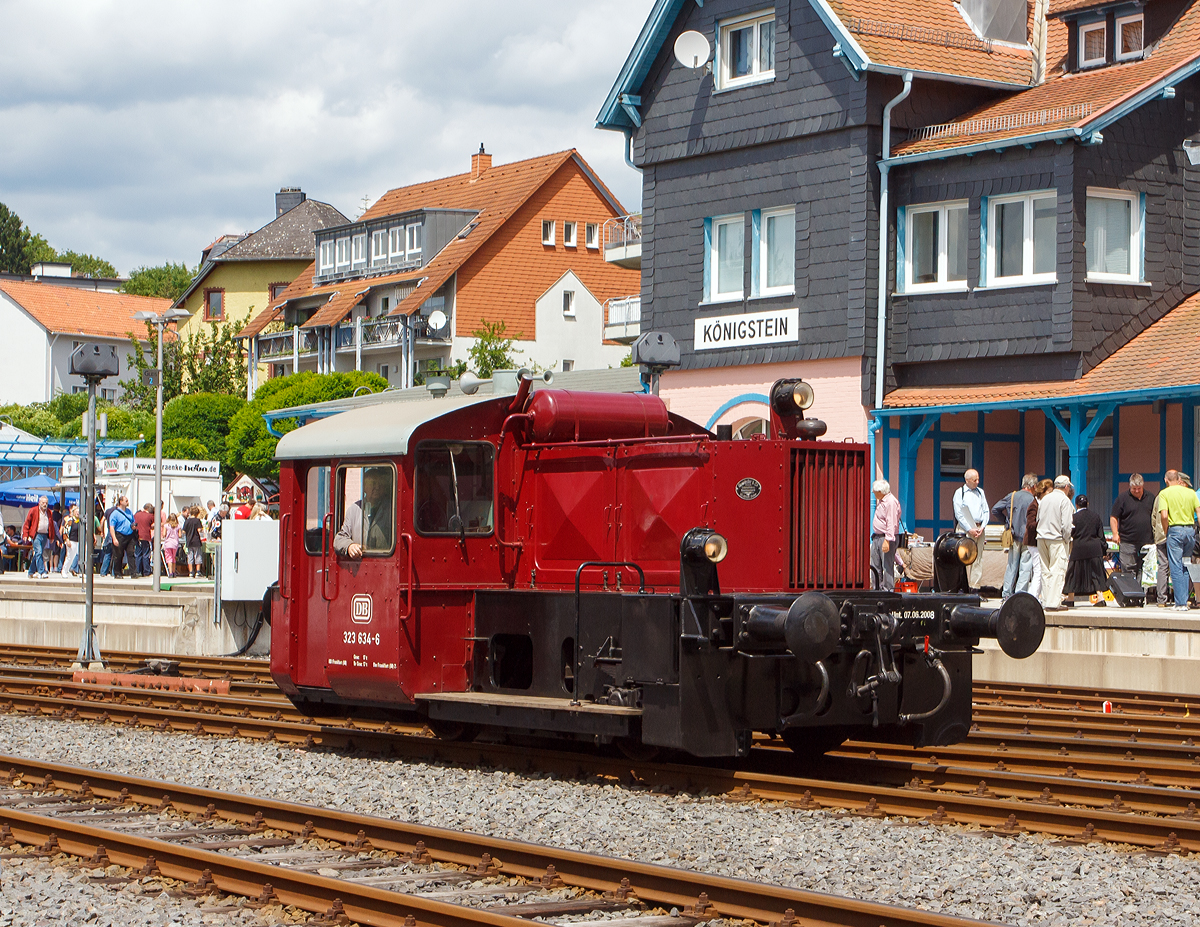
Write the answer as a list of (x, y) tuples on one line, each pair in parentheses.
[(285, 556), (408, 608)]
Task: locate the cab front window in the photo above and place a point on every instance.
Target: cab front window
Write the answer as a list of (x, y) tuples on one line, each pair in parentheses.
[(454, 488)]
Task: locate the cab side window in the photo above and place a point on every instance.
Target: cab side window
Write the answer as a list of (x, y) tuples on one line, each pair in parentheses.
[(455, 488), (366, 509), (316, 504)]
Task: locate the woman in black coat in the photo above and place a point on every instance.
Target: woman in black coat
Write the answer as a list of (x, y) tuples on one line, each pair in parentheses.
[(1085, 571)]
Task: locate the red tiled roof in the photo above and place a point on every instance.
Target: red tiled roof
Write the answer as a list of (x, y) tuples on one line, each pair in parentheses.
[(1067, 101), (930, 36), (494, 195), (1162, 356), (75, 311)]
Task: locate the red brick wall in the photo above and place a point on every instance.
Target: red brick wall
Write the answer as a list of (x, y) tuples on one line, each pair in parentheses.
[(504, 278)]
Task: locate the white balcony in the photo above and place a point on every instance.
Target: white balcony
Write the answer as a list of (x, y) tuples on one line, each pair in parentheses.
[(623, 319), (623, 241)]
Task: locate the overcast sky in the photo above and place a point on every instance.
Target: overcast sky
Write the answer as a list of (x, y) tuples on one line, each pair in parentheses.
[(140, 131)]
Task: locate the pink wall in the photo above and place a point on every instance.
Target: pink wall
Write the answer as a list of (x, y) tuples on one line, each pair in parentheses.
[(1002, 470), (1139, 451), (1035, 443), (697, 394)]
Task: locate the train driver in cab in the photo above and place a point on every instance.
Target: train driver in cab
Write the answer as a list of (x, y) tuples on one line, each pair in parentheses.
[(368, 522)]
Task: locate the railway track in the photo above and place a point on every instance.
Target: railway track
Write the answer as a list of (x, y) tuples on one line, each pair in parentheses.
[(1125, 778), (372, 870)]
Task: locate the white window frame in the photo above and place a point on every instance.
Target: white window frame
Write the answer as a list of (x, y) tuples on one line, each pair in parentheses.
[(548, 228), (764, 251), (396, 241), (738, 221), (725, 30), (412, 247), (591, 235), (570, 234), (953, 469), (943, 284), (1135, 236), (358, 248), (568, 365), (569, 303), (1084, 29), (379, 246), (327, 255), (1124, 21), (343, 252), (1028, 278)]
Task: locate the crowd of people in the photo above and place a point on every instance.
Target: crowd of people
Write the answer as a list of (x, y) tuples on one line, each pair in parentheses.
[(1056, 544), (122, 539)]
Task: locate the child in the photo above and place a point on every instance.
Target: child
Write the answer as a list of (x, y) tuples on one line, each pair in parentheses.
[(170, 543), (192, 526)]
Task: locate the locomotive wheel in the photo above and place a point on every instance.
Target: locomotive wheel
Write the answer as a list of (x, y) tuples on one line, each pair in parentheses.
[(452, 730), (633, 749), (813, 742)]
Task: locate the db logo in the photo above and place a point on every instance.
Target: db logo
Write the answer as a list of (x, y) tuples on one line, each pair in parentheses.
[(360, 609)]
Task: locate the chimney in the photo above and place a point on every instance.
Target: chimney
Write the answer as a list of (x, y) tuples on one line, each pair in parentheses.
[(480, 163), (288, 198)]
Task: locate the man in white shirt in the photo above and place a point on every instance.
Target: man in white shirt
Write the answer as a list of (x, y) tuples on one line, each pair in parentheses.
[(1055, 519), (971, 513)]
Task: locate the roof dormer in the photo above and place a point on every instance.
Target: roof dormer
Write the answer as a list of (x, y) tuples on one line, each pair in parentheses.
[(1102, 34)]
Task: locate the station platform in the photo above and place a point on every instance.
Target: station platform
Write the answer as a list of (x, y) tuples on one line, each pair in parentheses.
[(127, 614), (1148, 649)]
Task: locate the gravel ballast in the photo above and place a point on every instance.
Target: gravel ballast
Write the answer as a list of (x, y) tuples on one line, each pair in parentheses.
[(954, 870)]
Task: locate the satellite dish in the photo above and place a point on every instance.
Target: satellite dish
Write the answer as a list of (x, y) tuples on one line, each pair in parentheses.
[(692, 50), (437, 320)]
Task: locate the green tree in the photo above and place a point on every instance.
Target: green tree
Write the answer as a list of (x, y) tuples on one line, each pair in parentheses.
[(14, 243), (250, 448), (34, 418), (65, 406), (86, 265), (137, 394), (123, 425), (185, 449), (214, 363), (204, 418), (38, 249), (491, 350), (627, 360), (168, 281)]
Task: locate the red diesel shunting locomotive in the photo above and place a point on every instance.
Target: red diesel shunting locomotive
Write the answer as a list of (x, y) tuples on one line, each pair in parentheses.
[(590, 565)]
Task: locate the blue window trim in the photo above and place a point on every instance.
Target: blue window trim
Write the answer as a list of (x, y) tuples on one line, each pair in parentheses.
[(1141, 258), (984, 219), (901, 229), (755, 244), (708, 259)]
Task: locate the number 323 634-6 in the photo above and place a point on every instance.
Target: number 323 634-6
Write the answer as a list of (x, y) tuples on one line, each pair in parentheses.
[(360, 637)]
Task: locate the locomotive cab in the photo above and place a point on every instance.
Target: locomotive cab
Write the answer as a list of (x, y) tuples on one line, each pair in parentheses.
[(592, 566)]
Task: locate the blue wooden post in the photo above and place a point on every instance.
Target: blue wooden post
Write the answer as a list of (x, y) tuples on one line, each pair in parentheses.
[(913, 430), (1079, 437)]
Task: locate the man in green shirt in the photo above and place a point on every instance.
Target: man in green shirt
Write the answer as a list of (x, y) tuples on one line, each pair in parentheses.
[(1178, 507)]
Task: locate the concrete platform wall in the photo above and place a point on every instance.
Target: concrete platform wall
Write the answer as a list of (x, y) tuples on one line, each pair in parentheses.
[(51, 614), (1140, 649)]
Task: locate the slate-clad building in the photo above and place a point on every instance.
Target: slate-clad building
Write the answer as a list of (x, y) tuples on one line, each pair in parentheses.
[(1041, 211)]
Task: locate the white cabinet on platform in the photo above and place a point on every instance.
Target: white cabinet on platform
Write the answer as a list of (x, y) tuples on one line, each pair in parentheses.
[(249, 559)]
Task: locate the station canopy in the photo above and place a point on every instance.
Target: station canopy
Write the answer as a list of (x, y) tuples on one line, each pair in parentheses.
[(22, 450), (25, 493)]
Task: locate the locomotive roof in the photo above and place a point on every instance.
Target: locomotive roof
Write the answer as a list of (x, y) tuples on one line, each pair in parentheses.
[(381, 429)]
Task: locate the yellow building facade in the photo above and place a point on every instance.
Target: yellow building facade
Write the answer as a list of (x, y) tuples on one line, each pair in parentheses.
[(234, 291)]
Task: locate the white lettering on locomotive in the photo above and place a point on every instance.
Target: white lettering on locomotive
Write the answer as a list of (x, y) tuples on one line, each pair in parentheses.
[(360, 609)]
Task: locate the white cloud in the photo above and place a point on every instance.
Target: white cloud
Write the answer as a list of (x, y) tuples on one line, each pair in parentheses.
[(141, 130)]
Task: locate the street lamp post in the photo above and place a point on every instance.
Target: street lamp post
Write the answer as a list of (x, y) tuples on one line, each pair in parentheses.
[(160, 322)]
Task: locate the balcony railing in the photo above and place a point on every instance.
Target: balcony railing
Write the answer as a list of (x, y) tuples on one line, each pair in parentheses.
[(622, 231), (389, 331), (623, 320), (280, 344), (626, 310)]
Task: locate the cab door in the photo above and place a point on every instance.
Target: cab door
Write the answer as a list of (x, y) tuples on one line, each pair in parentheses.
[(305, 535), (365, 581)]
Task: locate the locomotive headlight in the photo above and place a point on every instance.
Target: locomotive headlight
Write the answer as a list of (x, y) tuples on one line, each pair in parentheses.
[(967, 550), (704, 544), (791, 397)]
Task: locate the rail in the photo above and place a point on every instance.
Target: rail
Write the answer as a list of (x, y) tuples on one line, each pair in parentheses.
[(624, 311), (622, 231)]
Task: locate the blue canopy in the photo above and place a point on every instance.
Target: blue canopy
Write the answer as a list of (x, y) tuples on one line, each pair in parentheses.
[(26, 492), (21, 450)]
